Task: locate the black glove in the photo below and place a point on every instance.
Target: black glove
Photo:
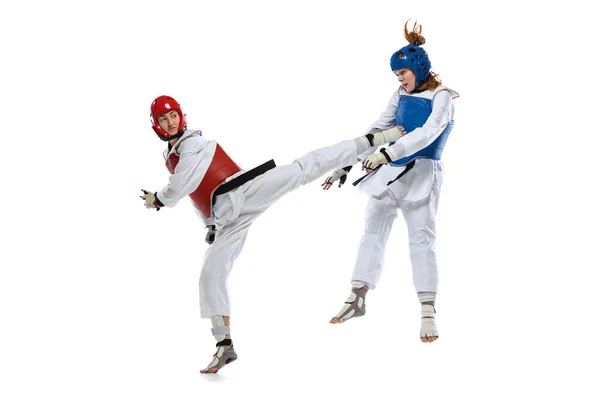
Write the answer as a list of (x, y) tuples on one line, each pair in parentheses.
[(210, 235)]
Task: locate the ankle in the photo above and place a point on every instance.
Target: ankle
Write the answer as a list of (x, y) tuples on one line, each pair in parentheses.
[(360, 285), (225, 342), (427, 311), (426, 297), (363, 143)]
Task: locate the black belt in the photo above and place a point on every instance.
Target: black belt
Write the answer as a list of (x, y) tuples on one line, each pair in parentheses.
[(243, 178), (408, 167)]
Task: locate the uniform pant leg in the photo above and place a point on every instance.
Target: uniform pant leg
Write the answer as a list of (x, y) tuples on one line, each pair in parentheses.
[(266, 189), (259, 194), (380, 215), (217, 265), (420, 221)]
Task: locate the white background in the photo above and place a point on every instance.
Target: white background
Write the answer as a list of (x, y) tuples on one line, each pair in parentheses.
[(99, 296)]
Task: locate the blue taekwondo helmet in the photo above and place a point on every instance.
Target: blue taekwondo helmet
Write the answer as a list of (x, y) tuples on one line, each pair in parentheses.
[(415, 58)]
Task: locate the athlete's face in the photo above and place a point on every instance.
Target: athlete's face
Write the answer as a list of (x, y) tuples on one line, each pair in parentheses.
[(169, 122), (407, 78)]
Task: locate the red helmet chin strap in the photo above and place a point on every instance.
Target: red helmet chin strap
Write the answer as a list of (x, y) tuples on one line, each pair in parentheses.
[(162, 105)]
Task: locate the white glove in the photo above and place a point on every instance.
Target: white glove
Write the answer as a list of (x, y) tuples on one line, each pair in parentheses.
[(339, 174), (379, 137), (150, 200), (374, 161)]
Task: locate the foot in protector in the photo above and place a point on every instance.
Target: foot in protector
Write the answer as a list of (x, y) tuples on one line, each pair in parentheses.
[(429, 332), (354, 307), (223, 356)]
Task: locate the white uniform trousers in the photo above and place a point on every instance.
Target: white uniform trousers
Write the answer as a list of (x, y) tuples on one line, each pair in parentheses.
[(235, 211), (419, 216)]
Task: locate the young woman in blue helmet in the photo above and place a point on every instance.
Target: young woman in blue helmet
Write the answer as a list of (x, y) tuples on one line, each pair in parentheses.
[(406, 175)]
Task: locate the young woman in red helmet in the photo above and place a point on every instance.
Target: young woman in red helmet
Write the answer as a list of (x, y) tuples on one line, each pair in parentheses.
[(230, 199), (407, 175)]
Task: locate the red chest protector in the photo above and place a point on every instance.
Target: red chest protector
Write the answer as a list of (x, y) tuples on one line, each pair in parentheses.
[(221, 167)]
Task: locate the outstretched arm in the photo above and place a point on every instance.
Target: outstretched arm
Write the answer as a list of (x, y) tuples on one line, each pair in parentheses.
[(385, 120), (419, 138)]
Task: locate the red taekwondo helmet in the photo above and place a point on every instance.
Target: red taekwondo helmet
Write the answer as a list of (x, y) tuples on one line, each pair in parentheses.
[(161, 105)]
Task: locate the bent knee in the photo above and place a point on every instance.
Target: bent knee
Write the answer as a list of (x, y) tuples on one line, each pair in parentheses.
[(422, 238)]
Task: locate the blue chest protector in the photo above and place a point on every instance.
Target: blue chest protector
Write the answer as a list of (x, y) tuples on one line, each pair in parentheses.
[(412, 113)]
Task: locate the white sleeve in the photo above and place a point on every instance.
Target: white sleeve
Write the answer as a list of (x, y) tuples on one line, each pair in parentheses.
[(386, 120), (441, 115), (193, 164)]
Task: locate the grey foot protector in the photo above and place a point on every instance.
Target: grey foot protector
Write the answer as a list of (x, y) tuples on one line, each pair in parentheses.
[(428, 327), (355, 305), (223, 356)]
